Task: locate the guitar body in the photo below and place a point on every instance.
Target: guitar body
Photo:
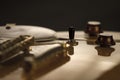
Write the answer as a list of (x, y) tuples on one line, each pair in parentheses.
[(88, 62)]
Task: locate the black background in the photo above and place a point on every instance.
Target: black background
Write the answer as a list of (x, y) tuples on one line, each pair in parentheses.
[(59, 14)]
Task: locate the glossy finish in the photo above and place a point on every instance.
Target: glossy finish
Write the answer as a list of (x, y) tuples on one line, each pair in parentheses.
[(93, 28), (105, 40), (40, 33), (71, 32), (84, 64), (72, 42)]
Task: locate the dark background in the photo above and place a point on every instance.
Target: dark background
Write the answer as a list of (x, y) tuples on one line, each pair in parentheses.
[(59, 14)]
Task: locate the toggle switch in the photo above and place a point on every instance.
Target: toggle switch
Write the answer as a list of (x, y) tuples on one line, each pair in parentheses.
[(105, 40), (71, 40), (71, 32), (93, 28)]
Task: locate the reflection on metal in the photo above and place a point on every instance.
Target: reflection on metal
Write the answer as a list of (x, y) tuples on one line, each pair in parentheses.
[(36, 67), (10, 48), (69, 49), (104, 51), (72, 42), (93, 28), (70, 46), (105, 40), (91, 40)]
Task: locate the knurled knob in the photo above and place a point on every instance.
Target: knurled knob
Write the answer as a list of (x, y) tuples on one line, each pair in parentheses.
[(105, 40), (93, 28)]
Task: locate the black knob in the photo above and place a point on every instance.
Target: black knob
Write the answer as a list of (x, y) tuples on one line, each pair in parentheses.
[(71, 40), (105, 40), (71, 32), (93, 28)]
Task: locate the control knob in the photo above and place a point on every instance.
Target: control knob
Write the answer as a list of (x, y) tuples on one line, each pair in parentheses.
[(105, 40), (93, 28)]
